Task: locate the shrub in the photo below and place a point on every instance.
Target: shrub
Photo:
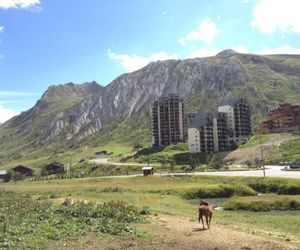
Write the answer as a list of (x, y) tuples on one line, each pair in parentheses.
[(275, 187), (261, 204), (34, 223), (217, 191)]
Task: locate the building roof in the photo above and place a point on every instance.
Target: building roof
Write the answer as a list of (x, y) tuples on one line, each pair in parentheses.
[(230, 101), (171, 95), (202, 118), (21, 167), (199, 119), (147, 168), (55, 164), (3, 172)]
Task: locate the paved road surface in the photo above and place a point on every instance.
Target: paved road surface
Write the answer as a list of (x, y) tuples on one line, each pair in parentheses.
[(271, 171), (107, 161)]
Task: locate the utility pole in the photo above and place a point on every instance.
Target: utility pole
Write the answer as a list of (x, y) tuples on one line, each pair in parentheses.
[(262, 155), (70, 166)]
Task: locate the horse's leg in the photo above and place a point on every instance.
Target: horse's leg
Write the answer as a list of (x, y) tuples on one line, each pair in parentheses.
[(202, 221), (210, 217), (199, 216), (207, 223)]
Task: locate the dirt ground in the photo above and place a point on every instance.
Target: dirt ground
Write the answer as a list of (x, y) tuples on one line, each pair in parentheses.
[(170, 232)]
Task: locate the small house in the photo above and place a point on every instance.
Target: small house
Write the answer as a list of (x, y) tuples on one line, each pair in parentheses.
[(25, 171), (148, 170), (54, 168)]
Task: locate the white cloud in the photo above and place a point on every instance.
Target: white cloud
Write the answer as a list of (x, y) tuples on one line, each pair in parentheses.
[(284, 49), (6, 114), (203, 53), (2, 28), (206, 32), (270, 15), (135, 62), (6, 4)]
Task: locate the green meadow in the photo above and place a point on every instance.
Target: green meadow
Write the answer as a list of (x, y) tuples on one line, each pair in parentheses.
[(273, 214)]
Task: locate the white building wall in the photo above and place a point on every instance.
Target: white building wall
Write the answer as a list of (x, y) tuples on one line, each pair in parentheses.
[(230, 115), (193, 140)]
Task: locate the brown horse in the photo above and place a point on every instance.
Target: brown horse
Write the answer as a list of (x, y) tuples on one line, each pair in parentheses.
[(206, 210)]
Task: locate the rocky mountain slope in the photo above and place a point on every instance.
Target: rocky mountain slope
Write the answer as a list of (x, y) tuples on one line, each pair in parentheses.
[(72, 113)]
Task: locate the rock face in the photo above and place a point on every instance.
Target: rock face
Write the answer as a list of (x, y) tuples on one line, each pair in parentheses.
[(77, 111)]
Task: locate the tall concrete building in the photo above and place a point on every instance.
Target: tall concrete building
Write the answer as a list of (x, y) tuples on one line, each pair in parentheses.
[(207, 132), (168, 121), (239, 120)]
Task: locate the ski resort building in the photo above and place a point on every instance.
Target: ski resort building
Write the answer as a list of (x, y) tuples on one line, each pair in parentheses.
[(282, 119), (168, 121), (239, 120), (208, 132), (222, 130)]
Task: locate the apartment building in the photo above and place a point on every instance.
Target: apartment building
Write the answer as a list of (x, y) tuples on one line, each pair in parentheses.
[(168, 121), (207, 132), (222, 130), (284, 118), (239, 120)]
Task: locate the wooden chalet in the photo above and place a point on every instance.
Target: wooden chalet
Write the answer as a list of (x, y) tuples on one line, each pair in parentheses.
[(25, 171), (54, 168)]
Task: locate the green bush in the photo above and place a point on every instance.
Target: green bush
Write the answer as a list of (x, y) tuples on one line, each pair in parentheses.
[(217, 191), (35, 223), (275, 187), (262, 204)]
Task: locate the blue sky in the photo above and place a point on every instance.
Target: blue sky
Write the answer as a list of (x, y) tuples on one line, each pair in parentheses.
[(47, 42)]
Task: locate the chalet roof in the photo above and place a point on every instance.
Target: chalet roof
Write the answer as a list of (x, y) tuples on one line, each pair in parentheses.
[(21, 166), (55, 163)]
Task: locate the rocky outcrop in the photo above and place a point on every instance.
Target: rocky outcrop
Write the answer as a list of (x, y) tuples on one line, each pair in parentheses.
[(77, 111)]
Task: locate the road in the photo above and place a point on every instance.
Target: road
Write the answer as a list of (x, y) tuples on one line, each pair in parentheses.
[(271, 171), (107, 161)]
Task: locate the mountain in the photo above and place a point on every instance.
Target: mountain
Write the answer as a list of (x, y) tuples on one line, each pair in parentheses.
[(69, 115)]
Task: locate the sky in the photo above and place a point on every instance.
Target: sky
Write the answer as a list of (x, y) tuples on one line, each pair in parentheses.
[(51, 42)]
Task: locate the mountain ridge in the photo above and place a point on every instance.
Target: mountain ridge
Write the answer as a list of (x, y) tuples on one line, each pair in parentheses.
[(71, 112)]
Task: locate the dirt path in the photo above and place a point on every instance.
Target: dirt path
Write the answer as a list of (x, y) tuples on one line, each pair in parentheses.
[(174, 233), (190, 235)]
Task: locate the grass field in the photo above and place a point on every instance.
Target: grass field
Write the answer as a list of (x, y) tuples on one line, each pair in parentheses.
[(167, 196)]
